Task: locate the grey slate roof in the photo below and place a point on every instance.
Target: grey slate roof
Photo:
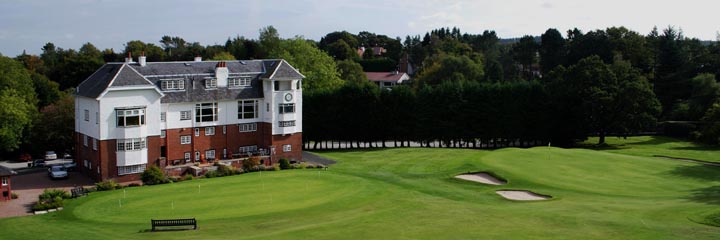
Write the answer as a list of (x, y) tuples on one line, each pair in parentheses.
[(4, 171), (133, 74)]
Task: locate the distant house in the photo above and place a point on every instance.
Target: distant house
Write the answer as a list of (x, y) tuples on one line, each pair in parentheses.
[(5, 174), (387, 79), (377, 51)]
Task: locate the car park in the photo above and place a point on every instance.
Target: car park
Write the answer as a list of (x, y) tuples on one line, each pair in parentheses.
[(50, 155), (69, 166), (38, 163), (57, 172)]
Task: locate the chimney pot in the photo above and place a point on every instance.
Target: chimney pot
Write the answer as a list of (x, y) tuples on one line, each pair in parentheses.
[(198, 59)]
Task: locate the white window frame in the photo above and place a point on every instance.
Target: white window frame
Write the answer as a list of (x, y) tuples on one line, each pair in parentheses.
[(85, 140), (209, 131), (284, 108), (201, 114), (224, 129), (197, 132), (187, 156), (126, 114), (163, 117), (185, 139), (197, 155), (163, 134), (87, 115), (286, 123), (210, 83), (95, 144), (97, 118), (287, 148), (240, 82), (247, 149), (210, 154), (252, 113), (131, 169), (185, 115), (247, 127), (131, 144), (172, 84), (4, 181)]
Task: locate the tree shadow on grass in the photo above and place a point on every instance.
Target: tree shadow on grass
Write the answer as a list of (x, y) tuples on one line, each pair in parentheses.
[(698, 148), (708, 195), (698, 171), (655, 140)]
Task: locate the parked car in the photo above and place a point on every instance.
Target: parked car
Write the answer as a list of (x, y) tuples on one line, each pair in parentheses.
[(70, 166), (38, 163), (57, 172), (66, 155), (50, 155)]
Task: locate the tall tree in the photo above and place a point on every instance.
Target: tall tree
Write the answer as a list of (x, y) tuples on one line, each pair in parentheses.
[(319, 69), (351, 71), (524, 52), (17, 103), (552, 50)]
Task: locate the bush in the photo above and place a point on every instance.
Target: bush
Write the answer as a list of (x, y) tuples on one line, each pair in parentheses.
[(224, 170), (251, 163), (187, 177), (107, 185), (211, 174), (134, 185), (260, 168), (274, 167), (302, 165), (50, 199), (153, 175), (320, 166), (14, 196), (284, 163)]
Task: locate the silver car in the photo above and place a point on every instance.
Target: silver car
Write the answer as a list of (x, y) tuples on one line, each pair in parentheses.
[(57, 172)]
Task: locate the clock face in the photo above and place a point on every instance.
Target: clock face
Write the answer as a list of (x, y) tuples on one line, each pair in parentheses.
[(288, 97)]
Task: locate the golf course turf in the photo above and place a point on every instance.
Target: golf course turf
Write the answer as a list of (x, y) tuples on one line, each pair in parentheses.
[(411, 193)]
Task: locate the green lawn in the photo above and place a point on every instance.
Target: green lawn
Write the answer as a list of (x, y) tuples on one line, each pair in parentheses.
[(410, 193), (649, 146)]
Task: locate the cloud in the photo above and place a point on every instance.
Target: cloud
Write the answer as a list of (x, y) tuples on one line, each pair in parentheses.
[(547, 5)]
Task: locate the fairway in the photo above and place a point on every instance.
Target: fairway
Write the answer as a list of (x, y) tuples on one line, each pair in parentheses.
[(411, 193)]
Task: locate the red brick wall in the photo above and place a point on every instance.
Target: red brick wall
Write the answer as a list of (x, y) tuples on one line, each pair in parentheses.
[(6, 188), (83, 153), (294, 140), (233, 139)]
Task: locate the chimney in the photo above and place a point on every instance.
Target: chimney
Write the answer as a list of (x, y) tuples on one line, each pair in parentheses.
[(142, 59), (198, 59), (128, 59), (221, 74)]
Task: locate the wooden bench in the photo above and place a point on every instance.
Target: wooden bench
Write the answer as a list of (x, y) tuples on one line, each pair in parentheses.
[(78, 191), (173, 223)]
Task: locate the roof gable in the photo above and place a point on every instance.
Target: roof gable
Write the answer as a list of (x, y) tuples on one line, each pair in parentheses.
[(386, 76), (96, 84), (283, 70), (127, 76)]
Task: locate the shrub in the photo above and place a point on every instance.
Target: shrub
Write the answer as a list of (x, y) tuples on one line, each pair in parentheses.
[(50, 199), (224, 170), (153, 175), (239, 171), (107, 185), (284, 163), (14, 196), (251, 163), (134, 185), (211, 174), (274, 167), (260, 168), (302, 165), (310, 166), (187, 177), (320, 166)]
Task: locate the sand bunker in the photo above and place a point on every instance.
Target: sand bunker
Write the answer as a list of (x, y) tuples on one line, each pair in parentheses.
[(521, 195), (481, 177)]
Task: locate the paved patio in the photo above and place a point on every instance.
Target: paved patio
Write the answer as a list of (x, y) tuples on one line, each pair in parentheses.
[(29, 186)]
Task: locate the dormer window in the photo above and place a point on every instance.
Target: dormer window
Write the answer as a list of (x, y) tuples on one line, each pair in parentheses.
[(211, 83), (239, 82), (172, 84)]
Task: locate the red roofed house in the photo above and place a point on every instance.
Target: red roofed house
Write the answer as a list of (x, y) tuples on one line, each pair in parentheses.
[(5, 174), (387, 79)]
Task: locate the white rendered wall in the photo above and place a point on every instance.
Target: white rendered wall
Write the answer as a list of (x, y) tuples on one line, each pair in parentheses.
[(227, 114), (275, 98), (89, 128), (127, 158), (147, 98)]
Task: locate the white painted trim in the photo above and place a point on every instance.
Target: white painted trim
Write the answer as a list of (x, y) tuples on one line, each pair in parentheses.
[(291, 67)]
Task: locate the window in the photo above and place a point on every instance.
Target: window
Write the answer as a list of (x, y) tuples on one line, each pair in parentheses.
[(130, 117), (187, 156), (276, 85), (297, 85), (89, 165), (184, 115), (287, 108), (185, 139), (247, 109), (210, 154), (209, 131), (242, 81), (4, 181), (124, 170), (162, 117), (95, 144), (287, 148), (163, 134), (287, 123), (172, 84), (197, 155), (267, 107), (224, 153), (87, 115), (197, 132), (248, 149), (97, 118), (206, 112), (247, 127), (85, 140), (210, 82), (224, 130), (131, 144), (86, 163)]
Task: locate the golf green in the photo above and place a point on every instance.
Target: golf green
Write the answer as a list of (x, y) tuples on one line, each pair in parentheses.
[(411, 193)]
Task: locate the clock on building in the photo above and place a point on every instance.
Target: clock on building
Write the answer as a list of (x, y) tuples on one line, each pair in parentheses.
[(288, 97)]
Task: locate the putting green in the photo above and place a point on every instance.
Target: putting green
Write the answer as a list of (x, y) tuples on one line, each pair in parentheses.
[(411, 193)]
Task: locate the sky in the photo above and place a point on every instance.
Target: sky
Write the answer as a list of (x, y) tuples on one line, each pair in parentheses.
[(29, 24)]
